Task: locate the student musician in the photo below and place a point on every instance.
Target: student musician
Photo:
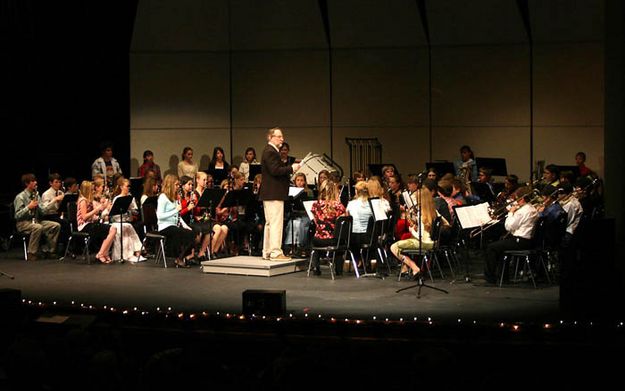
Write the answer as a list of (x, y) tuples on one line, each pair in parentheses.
[(187, 166), (89, 220), (149, 165), (204, 222), (244, 167), (218, 166), (179, 240), (361, 212), (50, 203), (106, 164), (326, 211), (298, 223), (420, 230), (131, 242), (520, 223), (466, 168), (28, 217)]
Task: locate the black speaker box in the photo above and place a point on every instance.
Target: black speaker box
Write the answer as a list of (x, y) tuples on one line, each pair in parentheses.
[(264, 302)]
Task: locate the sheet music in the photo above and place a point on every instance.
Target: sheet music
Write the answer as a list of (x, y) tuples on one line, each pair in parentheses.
[(378, 209), (294, 191), (408, 199), (473, 216), (308, 208)]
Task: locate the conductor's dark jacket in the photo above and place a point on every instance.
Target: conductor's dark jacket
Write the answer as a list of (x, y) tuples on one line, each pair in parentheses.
[(276, 176)]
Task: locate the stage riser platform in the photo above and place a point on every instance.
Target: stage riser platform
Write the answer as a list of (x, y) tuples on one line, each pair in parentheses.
[(253, 266)]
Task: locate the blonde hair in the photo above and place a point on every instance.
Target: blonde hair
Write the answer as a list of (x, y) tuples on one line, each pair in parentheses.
[(375, 188), (362, 190), (328, 191), (169, 186), (428, 210), (118, 185), (148, 186), (86, 190)]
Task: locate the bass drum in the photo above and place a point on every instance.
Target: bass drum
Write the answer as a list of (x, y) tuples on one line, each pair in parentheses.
[(313, 164)]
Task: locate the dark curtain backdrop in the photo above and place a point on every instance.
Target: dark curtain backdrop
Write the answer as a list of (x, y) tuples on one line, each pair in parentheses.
[(65, 84)]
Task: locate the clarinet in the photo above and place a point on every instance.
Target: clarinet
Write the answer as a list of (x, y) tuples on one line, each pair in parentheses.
[(179, 202), (33, 212)]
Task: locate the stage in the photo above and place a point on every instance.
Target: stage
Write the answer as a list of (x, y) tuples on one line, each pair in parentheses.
[(148, 286)]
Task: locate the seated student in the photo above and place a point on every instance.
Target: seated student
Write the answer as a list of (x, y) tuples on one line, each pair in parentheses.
[(204, 222), (150, 189), (88, 218), (233, 216), (50, 203), (360, 210), (28, 218), (520, 222), (179, 239), (326, 211), (298, 225), (420, 230), (130, 240)]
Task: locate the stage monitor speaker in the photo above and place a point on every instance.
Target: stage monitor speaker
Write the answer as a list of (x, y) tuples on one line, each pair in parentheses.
[(264, 302)]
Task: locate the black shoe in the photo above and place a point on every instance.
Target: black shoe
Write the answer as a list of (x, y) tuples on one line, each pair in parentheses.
[(317, 272)]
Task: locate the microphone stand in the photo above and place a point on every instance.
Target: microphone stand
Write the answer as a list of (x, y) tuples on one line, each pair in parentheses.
[(420, 284)]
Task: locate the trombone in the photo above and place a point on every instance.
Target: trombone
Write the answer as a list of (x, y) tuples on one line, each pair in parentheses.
[(498, 214)]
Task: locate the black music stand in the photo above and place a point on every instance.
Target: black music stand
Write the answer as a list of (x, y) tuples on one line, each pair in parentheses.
[(120, 208), (255, 169), (497, 165), (295, 203), (210, 199), (376, 169), (441, 168), (239, 197), (68, 198), (483, 191), (420, 284), (136, 187)]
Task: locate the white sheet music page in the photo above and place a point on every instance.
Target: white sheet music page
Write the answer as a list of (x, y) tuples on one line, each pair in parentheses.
[(294, 191), (308, 207), (378, 209), (473, 216)]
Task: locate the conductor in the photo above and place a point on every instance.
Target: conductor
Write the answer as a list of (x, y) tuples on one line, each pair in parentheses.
[(274, 190)]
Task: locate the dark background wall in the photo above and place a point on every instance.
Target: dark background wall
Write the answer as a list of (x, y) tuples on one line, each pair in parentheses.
[(64, 86)]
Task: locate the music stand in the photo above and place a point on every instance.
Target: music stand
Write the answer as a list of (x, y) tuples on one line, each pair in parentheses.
[(472, 216), (119, 208), (573, 169), (483, 191), (376, 169), (255, 169), (136, 187), (441, 168), (497, 165), (239, 197), (67, 199), (379, 218), (295, 198), (420, 284)]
